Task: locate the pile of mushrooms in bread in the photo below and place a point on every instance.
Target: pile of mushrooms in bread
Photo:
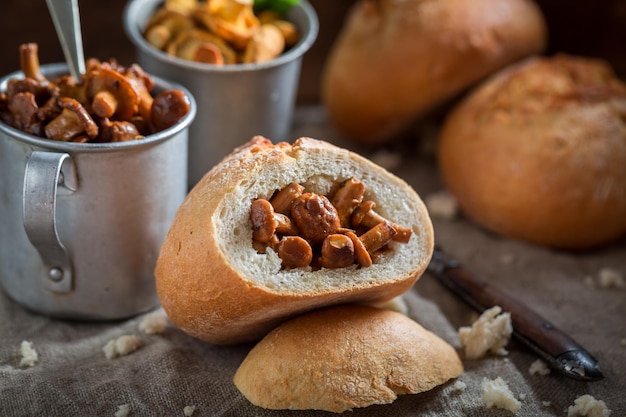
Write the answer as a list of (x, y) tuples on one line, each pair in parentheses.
[(306, 228)]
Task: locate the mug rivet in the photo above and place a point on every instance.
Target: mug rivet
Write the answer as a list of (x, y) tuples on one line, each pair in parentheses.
[(55, 274)]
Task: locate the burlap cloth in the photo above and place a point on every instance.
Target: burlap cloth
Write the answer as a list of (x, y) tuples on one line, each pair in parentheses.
[(172, 370)]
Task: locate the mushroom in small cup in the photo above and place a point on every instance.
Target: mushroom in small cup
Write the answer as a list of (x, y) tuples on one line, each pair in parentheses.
[(220, 31), (110, 103)]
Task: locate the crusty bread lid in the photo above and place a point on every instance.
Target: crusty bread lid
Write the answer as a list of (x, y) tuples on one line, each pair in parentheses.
[(345, 357)]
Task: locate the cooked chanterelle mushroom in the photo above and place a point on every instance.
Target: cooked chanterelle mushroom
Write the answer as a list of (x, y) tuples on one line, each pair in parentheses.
[(232, 20), (266, 44), (110, 103), (182, 6), (73, 121), (165, 25), (111, 93), (219, 32), (287, 29), (200, 46)]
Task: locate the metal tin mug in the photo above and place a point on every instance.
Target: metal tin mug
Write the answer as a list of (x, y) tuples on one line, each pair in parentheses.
[(81, 224), (235, 102)]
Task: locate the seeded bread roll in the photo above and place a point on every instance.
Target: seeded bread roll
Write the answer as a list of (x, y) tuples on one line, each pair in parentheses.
[(395, 60), (538, 153), (345, 357), (216, 286)]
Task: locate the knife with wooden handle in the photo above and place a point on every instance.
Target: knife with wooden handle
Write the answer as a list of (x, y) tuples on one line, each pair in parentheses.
[(558, 349)]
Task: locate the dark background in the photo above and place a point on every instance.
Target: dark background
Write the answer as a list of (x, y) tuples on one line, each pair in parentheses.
[(586, 27)]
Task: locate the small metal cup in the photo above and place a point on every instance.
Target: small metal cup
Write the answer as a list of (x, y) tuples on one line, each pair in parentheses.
[(81, 224), (235, 102)]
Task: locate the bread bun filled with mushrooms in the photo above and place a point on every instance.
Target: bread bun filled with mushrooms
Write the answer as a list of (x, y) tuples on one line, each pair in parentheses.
[(275, 230), (345, 357), (395, 60)]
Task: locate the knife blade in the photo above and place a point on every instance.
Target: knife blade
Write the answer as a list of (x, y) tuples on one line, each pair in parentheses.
[(553, 345)]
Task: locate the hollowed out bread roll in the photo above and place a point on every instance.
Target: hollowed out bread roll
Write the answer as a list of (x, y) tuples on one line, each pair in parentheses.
[(395, 60), (214, 284), (538, 152), (345, 357)]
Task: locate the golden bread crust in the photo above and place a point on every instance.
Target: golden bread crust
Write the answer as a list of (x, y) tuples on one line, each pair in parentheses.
[(395, 60), (538, 152), (345, 357)]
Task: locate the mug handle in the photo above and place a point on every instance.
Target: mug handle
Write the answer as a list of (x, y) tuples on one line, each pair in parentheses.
[(44, 172)]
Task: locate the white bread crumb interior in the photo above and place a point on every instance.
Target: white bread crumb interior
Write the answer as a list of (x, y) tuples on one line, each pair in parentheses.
[(587, 405), (490, 333), (154, 323), (496, 393), (29, 354), (121, 346)]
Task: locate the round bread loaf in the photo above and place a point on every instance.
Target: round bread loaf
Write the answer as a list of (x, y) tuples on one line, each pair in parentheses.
[(538, 152), (345, 357), (217, 286), (394, 60)]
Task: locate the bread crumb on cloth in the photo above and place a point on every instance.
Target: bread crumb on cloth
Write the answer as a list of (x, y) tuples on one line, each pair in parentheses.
[(606, 278), (538, 367), (496, 393), (121, 346), (611, 278), (188, 410), (490, 333), (122, 410), (441, 204), (587, 406), (458, 386), (29, 354), (154, 323)]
